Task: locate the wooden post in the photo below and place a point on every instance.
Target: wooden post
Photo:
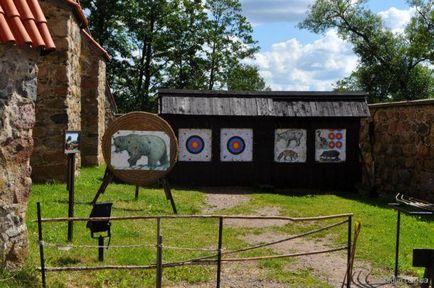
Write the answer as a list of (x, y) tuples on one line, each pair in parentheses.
[(41, 246), (159, 276), (168, 192), (349, 272), (136, 194), (219, 252), (70, 187), (398, 232), (108, 178), (100, 248)]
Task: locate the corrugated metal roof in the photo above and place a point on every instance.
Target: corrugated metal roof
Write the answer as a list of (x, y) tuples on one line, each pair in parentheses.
[(279, 104)]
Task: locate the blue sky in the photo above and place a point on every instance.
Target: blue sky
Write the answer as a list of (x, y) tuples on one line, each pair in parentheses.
[(293, 59)]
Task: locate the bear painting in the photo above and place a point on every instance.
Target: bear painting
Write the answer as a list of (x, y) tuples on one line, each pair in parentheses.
[(140, 150)]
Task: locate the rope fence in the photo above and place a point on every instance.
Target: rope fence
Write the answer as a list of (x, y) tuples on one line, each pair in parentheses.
[(217, 256)]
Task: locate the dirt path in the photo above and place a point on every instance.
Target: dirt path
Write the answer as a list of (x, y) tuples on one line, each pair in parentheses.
[(222, 198), (330, 267)]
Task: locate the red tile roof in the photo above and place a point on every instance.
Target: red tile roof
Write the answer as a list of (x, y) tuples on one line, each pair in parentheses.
[(84, 24), (23, 22)]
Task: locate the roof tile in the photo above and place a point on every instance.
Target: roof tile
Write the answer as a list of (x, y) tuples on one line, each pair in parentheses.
[(23, 22)]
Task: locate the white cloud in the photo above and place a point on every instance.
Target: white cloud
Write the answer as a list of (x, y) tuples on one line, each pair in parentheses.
[(261, 11), (316, 66), (396, 19)]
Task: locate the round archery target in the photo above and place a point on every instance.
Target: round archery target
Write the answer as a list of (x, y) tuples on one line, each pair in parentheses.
[(194, 145), (236, 145)]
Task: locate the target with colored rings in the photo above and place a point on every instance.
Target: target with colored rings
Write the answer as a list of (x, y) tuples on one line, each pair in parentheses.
[(332, 145), (195, 144), (339, 144), (236, 145)]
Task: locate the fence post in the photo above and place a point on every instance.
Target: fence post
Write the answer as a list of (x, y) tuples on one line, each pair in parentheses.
[(159, 277), (398, 232), (349, 272), (136, 194), (70, 186), (41, 245), (219, 251), (100, 248)]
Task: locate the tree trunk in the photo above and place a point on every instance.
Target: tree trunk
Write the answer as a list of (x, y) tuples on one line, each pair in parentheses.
[(141, 74), (212, 72), (148, 65)]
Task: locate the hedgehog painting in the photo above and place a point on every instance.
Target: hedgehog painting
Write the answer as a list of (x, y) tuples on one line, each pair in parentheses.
[(140, 150)]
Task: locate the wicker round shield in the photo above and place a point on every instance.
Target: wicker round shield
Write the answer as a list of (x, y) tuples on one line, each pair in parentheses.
[(139, 148)]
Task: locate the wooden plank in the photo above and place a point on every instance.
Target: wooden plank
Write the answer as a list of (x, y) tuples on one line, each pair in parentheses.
[(337, 108), (347, 109), (253, 107), (270, 107), (280, 107), (313, 109)]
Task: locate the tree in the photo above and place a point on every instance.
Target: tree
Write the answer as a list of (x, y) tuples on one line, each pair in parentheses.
[(228, 39), (186, 65), (189, 44), (392, 66), (245, 78)]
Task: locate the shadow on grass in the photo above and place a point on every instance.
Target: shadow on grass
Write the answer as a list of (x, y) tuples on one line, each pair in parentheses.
[(25, 277), (65, 261)]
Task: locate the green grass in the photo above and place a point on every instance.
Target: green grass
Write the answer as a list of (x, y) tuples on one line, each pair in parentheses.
[(376, 243)]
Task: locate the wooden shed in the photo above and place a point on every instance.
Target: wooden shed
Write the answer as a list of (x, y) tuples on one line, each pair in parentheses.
[(280, 139)]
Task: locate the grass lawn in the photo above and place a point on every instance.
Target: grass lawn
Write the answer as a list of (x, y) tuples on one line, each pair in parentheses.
[(376, 242)]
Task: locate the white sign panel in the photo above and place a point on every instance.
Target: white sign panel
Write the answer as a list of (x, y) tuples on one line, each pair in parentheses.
[(195, 145), (140, 150), (290, 145), (236, 145), (330, 145)]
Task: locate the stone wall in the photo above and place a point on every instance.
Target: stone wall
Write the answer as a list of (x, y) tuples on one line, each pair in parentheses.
[(18, 82), (58, 106), (397, 145), (93, 85)]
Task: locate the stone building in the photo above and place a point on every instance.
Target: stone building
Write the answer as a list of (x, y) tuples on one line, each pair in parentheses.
[(397, 146), (23, 36), (72, 93)]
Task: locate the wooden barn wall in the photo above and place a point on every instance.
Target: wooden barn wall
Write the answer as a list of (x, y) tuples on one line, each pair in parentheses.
[(263, 170)]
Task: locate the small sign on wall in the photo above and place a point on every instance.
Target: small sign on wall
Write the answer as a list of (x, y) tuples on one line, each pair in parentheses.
[(330, 145), (72, 142), (290, 145), (195, 145), (140, 150), (236, 145)]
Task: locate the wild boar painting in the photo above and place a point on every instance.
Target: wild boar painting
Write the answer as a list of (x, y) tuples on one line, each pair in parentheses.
[(330, 145), (140, 150)]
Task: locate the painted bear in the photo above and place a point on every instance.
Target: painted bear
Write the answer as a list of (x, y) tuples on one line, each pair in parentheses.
[(137, 146)]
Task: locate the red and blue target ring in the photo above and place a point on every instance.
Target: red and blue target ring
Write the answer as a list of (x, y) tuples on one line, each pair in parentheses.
[(195, 144), (236, 145)]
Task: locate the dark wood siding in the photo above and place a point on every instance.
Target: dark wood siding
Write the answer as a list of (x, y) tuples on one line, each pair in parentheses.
[(263, 170)]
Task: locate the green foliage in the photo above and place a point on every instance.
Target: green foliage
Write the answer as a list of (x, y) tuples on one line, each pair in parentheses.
[(245, 78), (392, 66), (173, 44)]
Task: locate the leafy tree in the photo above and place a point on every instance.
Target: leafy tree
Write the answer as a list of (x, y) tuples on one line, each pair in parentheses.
[(186, 66), (245, 78), (190, 44), (228, 39), (392, 66)]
